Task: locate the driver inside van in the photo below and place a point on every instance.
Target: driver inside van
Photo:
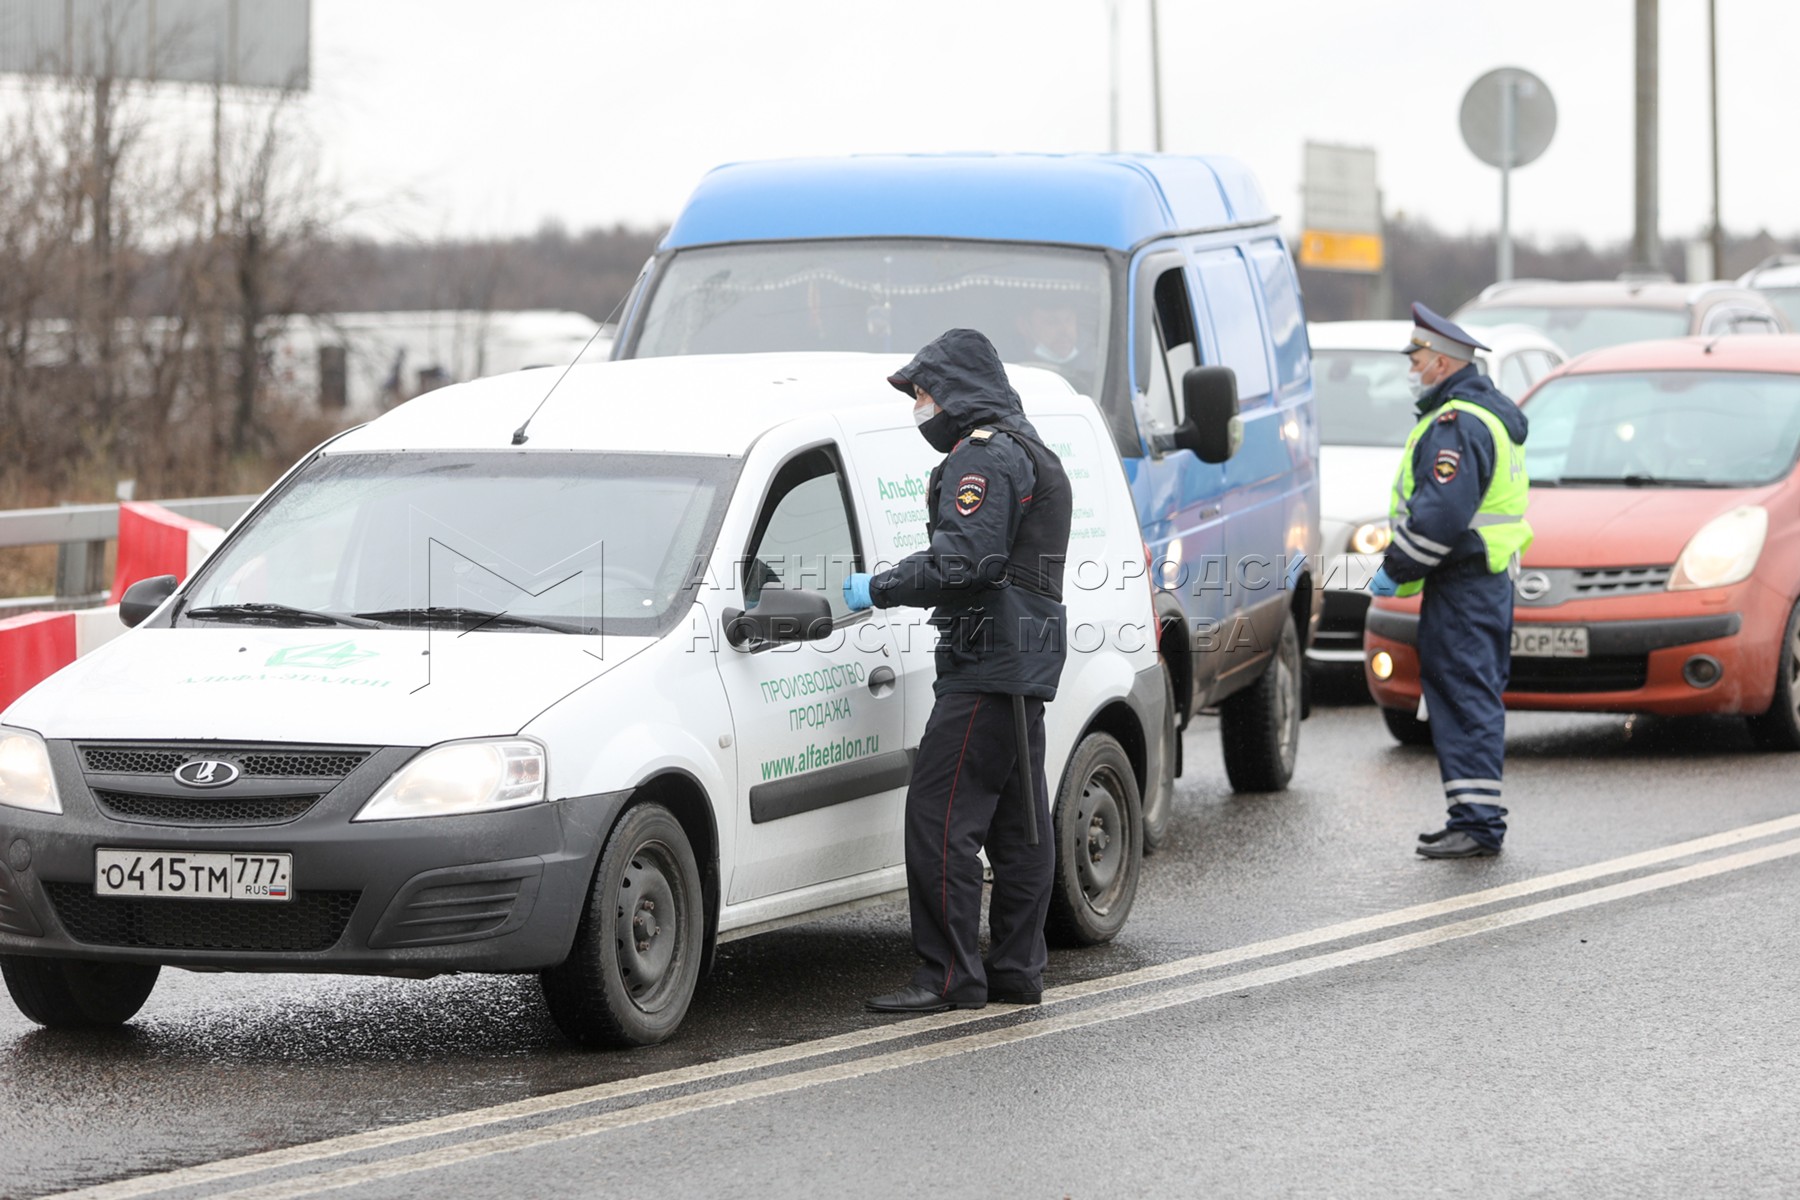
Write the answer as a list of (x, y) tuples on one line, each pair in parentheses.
[(1051, 326)]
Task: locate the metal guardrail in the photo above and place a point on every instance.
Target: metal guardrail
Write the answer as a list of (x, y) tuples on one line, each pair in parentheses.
[(81, 531)]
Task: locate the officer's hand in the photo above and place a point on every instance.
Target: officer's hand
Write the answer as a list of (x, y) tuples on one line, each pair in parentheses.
[(1382, 585), (856, 591)]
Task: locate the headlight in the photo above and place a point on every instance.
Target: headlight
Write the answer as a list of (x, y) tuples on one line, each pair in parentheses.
[(25, 777), (1371, 537), (1723, 552), (461, 777)]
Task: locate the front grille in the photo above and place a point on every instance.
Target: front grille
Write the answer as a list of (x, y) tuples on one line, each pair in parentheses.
[(256, 762), (1620, 581), (203, 809), (1601, 673), (311, 921)]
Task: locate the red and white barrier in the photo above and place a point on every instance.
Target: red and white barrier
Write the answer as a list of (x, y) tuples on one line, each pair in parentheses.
[(152, 541)]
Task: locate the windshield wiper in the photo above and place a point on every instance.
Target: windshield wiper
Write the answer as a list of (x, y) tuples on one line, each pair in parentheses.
[(1633, 481), (472, 618), (273, 614)]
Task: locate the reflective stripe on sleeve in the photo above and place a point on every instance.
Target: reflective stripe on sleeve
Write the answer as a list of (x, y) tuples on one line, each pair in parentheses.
[(1404, 544)]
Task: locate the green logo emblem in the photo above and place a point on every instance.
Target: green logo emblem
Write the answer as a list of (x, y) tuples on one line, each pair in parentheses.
[(328, 654)]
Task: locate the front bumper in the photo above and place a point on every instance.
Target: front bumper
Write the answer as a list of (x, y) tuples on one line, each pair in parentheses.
[(1344, 601), (1634, 664), (499, 891)]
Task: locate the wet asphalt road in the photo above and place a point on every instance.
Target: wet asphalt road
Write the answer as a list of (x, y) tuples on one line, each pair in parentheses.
[(1644, 1045)]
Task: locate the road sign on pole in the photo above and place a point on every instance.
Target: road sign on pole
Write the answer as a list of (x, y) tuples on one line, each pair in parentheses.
[(1508, 119), (1340, 210)]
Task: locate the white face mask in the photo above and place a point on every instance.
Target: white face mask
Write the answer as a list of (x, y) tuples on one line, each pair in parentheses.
[(1045, 354), (924, 412), (1415, 382)]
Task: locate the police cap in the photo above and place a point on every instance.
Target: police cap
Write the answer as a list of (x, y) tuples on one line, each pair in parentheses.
[(1441, 335)]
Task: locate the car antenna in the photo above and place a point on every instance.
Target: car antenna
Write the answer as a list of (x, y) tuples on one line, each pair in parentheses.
[(1708, 348), (519, 436)]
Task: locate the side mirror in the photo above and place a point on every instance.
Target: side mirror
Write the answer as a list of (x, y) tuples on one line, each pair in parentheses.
[(145, 597), (782, 615), (1212, 429)]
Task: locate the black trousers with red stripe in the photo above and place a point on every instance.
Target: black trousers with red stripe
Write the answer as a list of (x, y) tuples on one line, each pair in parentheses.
[(964, 796)]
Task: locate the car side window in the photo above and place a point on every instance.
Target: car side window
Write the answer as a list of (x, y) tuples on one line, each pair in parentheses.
[(1514, 378), (804, 537), (1752, 322), (1231, 299), (1719, 320), (1158, 398)]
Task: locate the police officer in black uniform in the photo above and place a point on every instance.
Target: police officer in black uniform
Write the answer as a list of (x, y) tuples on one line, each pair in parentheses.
[(998, 516)]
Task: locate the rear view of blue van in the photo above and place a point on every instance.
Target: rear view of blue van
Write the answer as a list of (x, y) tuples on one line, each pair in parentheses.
[(1158, 285)]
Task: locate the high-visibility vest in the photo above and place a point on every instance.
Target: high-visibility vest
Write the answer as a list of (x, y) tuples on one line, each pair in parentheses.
[(1501, 518)]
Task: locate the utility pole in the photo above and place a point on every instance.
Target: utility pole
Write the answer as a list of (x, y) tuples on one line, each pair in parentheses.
[(1156, 75), (1712, 52), (1646, 247), (1112, 75)]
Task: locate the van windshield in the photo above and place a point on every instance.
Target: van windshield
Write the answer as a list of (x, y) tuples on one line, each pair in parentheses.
[(578, 542), (1041, 306)]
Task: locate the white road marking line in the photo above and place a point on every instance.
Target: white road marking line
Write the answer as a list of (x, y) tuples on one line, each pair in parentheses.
[(1010, 1035), (228, 1168)]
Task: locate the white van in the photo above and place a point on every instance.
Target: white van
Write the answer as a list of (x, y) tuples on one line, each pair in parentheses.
[(550, 673)]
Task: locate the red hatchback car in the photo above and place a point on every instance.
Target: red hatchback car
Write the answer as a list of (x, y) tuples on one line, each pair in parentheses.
[(1666, 569)]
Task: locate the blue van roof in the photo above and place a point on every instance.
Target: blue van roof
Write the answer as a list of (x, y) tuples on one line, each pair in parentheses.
[(1113, 200)]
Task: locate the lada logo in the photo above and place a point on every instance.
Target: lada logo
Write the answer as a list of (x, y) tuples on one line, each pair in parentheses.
[(1532, 585), (206, 773)]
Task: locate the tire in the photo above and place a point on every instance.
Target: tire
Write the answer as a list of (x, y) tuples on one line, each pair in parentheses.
[(1098, 825), (66, 993), (637, 953), (1779, 728), (1407, 729), (1260, 726), (1160, 804)]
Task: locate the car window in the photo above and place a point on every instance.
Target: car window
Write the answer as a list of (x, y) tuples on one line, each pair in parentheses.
[(1043, 306), (1753, 322), (1787, 299), (1701, 428), (1580, 328), (607, 541), (1225, 278), (1513, 379), (1287, 324), (1539, 363), (1362, 397), (804, 539)]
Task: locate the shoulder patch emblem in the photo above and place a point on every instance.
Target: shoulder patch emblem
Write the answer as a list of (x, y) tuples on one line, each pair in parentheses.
[(1445, 468), (979, 436), (970, 492), (1447, 416)]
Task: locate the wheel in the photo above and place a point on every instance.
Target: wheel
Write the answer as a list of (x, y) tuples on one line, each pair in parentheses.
[(1260, 726), (66, 993), (1407, 729), (1098, 826), (1159, 806), (1779, 728), (637, 953)]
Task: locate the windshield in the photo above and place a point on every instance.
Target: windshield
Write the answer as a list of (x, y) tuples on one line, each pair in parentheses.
[(1579, 329), (580, 541), (1787, 299), (1038, 305), (1700, 428), (1363, 397)]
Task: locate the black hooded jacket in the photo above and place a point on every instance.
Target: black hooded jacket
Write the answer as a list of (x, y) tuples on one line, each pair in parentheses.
[(999, 512), (1453, 463)]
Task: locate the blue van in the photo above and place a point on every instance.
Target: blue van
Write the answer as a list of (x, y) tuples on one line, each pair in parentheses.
[(1159, 285)]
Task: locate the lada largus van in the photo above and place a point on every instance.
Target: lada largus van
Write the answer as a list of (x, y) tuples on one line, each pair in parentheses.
[(553, 677), (1160, 286)]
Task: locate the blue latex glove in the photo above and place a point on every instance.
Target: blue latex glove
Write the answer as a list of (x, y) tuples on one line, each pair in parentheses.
[(856, 591), (1382, 585)]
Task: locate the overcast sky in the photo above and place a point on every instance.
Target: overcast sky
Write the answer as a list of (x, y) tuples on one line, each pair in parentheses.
[(493, 118)]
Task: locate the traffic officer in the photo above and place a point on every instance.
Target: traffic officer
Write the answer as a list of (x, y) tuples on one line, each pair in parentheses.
[(1458, 520), (998, 515)]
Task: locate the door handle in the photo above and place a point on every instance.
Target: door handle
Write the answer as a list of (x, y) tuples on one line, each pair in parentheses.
[(881, 682)]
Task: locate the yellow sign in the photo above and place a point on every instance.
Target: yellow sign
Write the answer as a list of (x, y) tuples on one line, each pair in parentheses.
[(1341, 251)]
